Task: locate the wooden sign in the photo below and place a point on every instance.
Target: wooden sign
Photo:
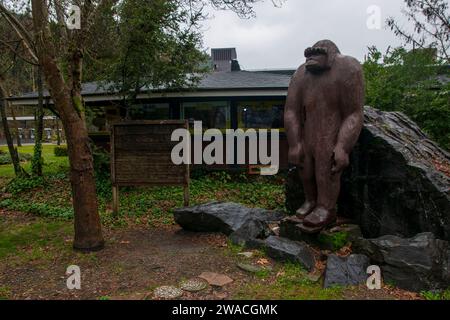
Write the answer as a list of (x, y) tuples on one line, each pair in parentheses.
[(141, 156)]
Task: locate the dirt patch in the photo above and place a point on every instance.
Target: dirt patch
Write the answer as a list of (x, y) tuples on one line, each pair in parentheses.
[(133, 261), (8, 217)]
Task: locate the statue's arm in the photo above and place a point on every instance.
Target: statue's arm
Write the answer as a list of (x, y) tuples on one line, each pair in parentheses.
[(352, 110), (352, 115), (292, 122)]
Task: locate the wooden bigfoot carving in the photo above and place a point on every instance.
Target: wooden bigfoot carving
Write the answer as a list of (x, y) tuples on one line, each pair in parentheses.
[(323, 120)]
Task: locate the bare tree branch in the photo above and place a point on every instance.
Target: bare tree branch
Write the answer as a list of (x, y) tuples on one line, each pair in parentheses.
[(430, 25), (21, 31)]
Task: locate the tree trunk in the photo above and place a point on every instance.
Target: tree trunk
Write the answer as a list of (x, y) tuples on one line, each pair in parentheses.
[(88, 235), (36, 165), (67, 99), (16, 127), (58, 134), (18, 170)]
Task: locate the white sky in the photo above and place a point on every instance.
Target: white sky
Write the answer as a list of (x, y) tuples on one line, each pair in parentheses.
[(277, 37)]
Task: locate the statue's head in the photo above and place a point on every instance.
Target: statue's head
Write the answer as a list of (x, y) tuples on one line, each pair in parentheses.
[(321, 56)]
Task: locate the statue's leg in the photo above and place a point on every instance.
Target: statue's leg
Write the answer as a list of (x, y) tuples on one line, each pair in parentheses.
[(307, 175), (328, 187)]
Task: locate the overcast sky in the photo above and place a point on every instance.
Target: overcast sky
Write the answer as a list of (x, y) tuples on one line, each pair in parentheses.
[(277, 37)]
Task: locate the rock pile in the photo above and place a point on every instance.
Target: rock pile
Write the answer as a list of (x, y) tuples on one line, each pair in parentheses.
[(419, 263)]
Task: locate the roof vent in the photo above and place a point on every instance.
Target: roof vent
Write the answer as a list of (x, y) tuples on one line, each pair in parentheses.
[(223, 59), (235, 65)]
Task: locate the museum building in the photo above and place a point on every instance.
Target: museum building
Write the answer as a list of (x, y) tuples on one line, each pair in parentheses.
[(225, 98)]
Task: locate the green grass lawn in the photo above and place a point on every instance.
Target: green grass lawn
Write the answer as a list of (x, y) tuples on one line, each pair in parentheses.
[(34, 235), (52, 164), (50, 196), (291, 283)]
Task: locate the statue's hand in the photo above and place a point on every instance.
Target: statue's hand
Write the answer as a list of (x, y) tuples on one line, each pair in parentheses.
[(296, 155), (340, 160)]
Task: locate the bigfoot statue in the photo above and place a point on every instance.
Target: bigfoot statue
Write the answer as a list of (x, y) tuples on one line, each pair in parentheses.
[(323, 120)]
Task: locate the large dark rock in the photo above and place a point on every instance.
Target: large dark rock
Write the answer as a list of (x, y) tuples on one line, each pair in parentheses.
[(251, 229), (328, 239), (221, 217), (346, 271), (418, 263), (287, 250), (290, 229), (396, 183)]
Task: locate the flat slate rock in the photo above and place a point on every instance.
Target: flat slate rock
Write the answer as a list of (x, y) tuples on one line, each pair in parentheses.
[(216, 279), (314, 277), (418, 263), (247, 254), (167, 292), (225, 217), (348, 271), (250, 267), (255, 244), (287, 250), (251, 229)]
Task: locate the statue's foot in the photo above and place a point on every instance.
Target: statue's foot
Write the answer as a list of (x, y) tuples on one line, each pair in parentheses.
[(320, 218), (305, 210)]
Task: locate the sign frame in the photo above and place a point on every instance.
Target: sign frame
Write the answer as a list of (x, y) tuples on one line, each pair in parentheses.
[(182, 124)]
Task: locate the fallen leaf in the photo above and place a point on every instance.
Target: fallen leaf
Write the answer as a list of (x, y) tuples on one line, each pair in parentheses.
[(263, 261), (280, 273)]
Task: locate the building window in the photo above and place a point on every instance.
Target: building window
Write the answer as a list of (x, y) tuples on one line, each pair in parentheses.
[(150, 111), (214, 115), (261, 115)]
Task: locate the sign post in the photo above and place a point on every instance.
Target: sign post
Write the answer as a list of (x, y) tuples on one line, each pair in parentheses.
[(141, 156)]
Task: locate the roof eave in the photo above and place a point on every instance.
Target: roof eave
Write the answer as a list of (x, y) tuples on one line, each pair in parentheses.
[(199, 93)]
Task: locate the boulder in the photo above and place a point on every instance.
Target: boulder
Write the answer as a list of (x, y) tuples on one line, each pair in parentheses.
[(290, 229), (346, 271), (336, 238), (251, 229), (287, 250), (255, 244), (398, 181), (328, 239), (221, 217), (418, 263)]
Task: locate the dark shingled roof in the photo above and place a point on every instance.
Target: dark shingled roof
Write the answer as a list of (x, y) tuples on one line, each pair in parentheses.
[(235, 80), (244, 80)]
